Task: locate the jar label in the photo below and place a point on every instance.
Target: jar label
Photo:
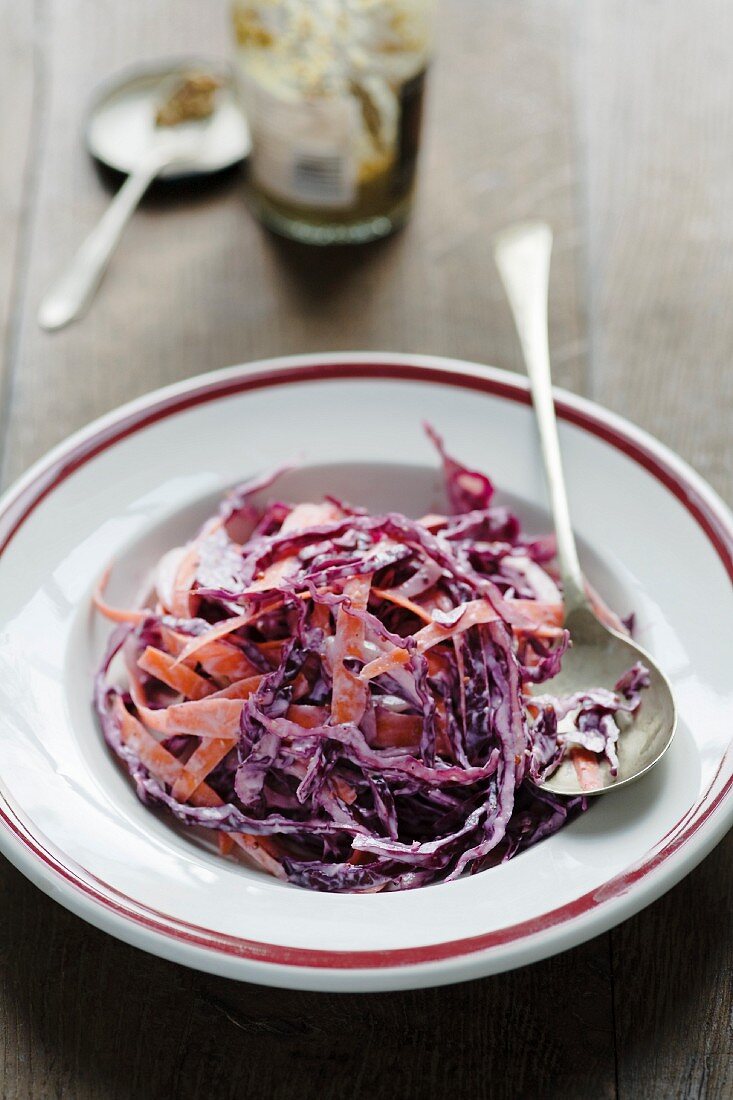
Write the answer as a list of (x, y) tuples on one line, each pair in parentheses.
[(303, 151)]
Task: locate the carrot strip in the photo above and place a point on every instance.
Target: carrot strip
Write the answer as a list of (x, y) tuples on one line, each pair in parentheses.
[(402, 731), (114, 614), (179, 677), (199, 764), (256, 848), (307, 717), (540, 613), (349, 692), (310, 515), (345, 791), (173, 640), (162, 764), (220, 659), (184, 581), (225, 662), (271, 651), (225, 842), (198, 717), (273, 575), (542, 619), (587, 769), (219, 631), (203, 718), (320, 616), (385, 663), (404, 602), (240, 689), (397, 730), (474, 613), (215, 716)]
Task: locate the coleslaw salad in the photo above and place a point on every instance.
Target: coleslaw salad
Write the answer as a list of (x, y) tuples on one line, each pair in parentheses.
[(349, 701)]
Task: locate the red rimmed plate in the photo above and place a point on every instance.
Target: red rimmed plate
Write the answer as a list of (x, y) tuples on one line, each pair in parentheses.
[(654, 539)]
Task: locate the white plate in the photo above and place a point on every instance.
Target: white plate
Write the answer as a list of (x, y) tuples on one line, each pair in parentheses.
[(654, 539)]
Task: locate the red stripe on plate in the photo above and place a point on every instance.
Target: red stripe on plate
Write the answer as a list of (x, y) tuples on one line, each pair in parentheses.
[(50, 476)]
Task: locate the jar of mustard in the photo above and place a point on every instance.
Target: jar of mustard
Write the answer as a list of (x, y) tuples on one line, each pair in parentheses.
[(333, 92)]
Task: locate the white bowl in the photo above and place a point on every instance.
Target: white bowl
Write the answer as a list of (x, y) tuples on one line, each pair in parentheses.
[(654, 538)]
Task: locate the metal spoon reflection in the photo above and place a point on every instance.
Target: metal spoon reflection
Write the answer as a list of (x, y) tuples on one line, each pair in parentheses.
[(598, 655)]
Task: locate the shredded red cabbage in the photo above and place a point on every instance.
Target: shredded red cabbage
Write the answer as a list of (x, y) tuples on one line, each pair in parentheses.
[(346, 699)]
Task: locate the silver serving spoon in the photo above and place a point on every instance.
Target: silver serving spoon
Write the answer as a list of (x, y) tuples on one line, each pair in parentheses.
[(598, 656), (122, 134)]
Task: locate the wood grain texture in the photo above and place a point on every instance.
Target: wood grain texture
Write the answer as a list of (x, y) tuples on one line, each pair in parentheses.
[(610, 121), (20, 84), (87, 1017), (656, 103), (655, 95), (673, 989)]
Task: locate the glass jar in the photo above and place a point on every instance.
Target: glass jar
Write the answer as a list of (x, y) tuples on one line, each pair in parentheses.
[(333, 92)]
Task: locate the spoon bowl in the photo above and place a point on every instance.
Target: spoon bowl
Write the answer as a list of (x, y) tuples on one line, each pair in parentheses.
[(122, 133), (598, 655)]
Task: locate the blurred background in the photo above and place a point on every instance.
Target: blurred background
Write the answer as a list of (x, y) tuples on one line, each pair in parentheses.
[(612, 120)]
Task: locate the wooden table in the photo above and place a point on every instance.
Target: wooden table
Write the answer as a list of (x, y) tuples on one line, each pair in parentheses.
[(615, 122)]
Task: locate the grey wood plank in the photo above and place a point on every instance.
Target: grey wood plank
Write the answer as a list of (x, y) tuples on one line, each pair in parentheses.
[(673, 984), (656, 88), (89, 1018), (19, 92), (197, 285), (657, 101)]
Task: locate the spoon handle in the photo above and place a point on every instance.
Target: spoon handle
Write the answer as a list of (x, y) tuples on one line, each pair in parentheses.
[(522, 255), (73, 291)]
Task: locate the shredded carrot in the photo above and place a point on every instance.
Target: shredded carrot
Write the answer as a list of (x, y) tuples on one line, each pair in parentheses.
[(114, 614), (224, 662), (345, 791), (183, 583), (349, 692), (397, 730), (258, 849), (474, 613), (227, 626), (225, 842), (403, 731), (156, 759), (220, 659), (404, 602), (240, 689), (385, 663), (213, 718), (587, 769), (310, 515), (307, 717), (542, 619), (198, 766), (179, 677), (274, 575), (320, 616), (271, 651)]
